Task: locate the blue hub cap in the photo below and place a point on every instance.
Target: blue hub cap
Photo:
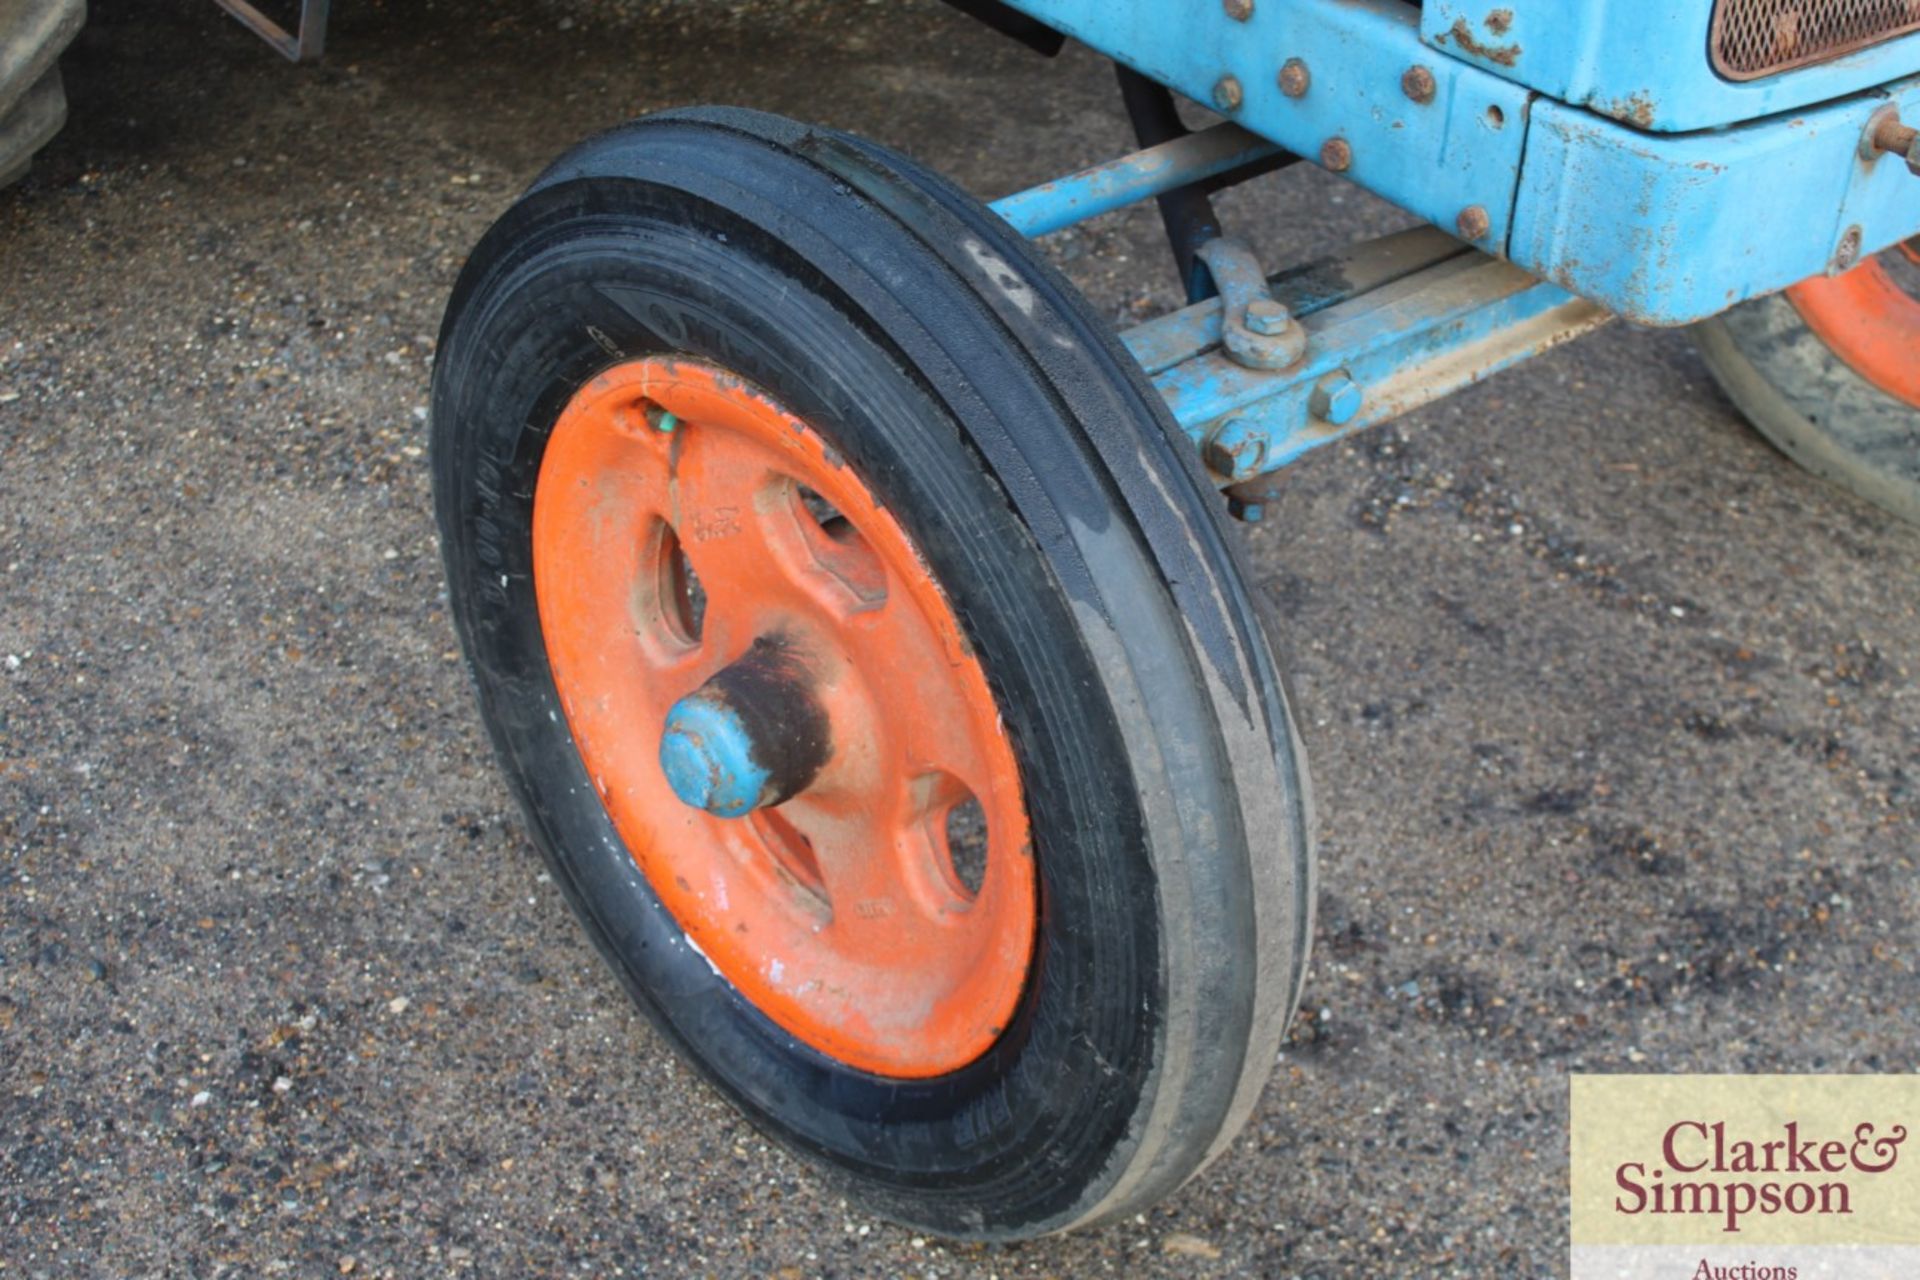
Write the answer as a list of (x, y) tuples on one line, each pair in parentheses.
[(708, 757)]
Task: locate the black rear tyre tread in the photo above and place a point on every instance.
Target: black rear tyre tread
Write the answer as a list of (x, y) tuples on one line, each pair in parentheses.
[(1812, 407)]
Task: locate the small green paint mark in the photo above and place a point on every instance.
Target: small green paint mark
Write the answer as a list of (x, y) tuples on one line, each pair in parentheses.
[(661, 419)]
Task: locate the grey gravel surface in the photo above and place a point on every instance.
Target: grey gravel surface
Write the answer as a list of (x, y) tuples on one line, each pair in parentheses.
[(1611, 710)]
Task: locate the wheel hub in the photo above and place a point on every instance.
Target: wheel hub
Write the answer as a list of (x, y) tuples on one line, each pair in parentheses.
[(783, 718), (750, 737)]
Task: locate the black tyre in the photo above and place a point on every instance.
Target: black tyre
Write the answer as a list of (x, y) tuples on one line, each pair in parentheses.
[(1825, 372), (970, 390)]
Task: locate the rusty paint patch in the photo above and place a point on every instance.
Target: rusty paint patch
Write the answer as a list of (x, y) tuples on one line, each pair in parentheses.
[(1505, 55), (1635, 109), (1500, 21)]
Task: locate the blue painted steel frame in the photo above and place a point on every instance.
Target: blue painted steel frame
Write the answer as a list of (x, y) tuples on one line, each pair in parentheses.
[(1437, 159), (1662, 229), (1643, 62), (1671, 229)]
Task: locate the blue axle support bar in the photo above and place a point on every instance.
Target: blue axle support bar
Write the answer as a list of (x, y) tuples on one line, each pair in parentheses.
[(1052, 206), (1392, 325), (1371, 355)]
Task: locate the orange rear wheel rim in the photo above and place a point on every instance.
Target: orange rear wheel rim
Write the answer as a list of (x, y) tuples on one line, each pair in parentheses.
[(1867, 319), (839, 912)]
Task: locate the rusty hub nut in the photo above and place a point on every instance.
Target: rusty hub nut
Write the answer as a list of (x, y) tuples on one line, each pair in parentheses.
[(1294, 78), (1336, 155), (1473, 222), (1236, 449), (1239, 10), (1335, 398), (1267, 317), (1226, 93), (1417, 83)]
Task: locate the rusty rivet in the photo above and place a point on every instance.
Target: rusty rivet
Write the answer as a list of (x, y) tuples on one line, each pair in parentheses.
[(1226, 93), (1473, 222), (1336, 155), (1417, 83), (1239, 10), (1294, 78)]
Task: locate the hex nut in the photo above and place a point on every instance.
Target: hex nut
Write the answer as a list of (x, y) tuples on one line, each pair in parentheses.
[(1417, 83), (1336, 155), (1294, 78), (1473, 222), (1235, 449), (1267, 317), (1336, 398), (1226, 93)]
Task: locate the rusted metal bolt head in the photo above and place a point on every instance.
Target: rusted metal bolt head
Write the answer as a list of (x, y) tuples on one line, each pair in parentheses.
[(1267, 317), (1336, 155), (1241, 510), (1473, 222), (1226, 93), (1236, 448), (1239, 10), (1336, 398), (1294, 78), (1417, 83)]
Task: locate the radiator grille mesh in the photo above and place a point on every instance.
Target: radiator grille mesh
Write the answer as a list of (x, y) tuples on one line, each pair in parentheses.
[(1754, 38)]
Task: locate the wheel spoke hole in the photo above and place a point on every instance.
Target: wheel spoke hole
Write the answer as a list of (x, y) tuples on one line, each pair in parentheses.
[(792, 853), (964, 835), (838, 546), (670, 594)]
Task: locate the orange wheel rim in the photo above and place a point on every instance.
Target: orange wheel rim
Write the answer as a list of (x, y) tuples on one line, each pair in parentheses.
[(681, 516), (1869, 321)]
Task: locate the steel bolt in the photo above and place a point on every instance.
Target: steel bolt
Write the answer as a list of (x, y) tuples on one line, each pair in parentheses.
[(1268, 318), (1294, 78), (1226, 93), (1241, 510), (1473, 222), (1239, 10), (1236, 448), (1885, 132), (1336, 155), (1335, 398), (1417, 83)]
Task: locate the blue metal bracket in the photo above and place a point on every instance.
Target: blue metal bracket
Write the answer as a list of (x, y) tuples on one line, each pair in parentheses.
[(1423, 316)]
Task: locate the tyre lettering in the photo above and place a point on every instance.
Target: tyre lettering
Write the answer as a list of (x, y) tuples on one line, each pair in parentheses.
[(605, 343)]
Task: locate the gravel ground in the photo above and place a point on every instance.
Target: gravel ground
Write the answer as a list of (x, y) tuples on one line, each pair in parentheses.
[(1611, 711)]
